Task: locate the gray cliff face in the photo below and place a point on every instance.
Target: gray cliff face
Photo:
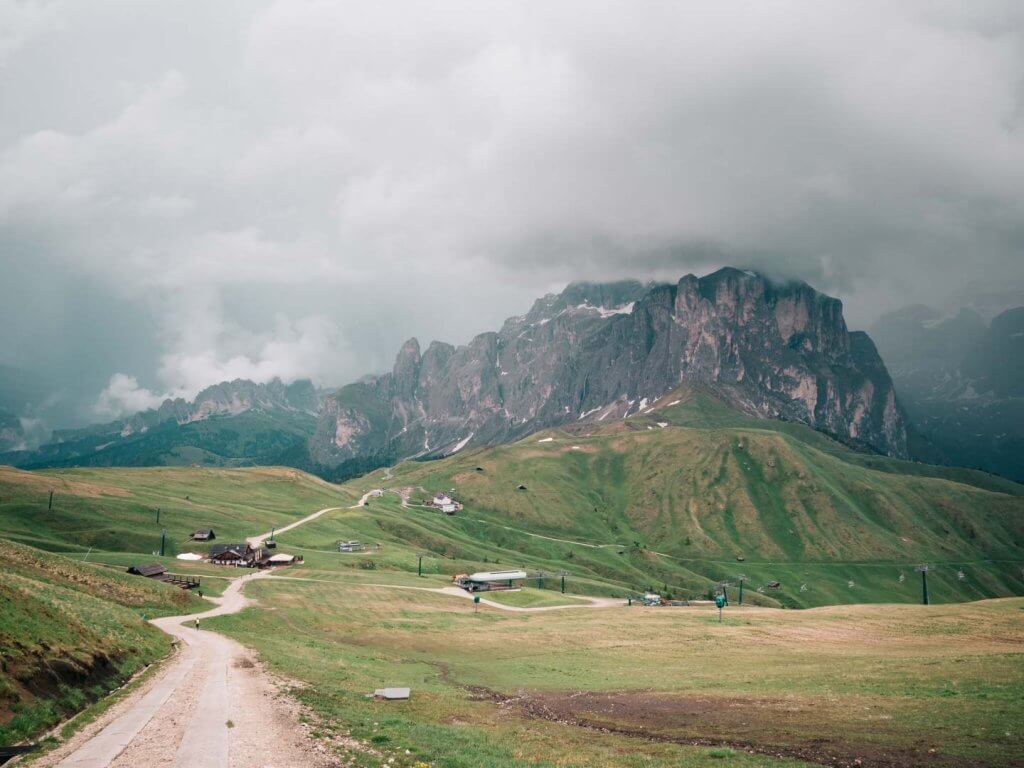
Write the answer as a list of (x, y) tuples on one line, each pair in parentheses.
[(601, 351)]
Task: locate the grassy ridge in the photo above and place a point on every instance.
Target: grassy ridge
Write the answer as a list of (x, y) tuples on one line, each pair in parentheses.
[(71, 631), (675, 500), (115, 509), (652, 503)]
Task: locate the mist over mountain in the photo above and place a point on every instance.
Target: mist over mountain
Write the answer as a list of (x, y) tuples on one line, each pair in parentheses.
[(234, 423), (944, 386), (961, 380), (592, 352)]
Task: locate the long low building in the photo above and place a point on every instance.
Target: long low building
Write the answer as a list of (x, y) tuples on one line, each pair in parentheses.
[(488, 581)]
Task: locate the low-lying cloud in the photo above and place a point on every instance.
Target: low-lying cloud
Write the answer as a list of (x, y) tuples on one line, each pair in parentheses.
[(290, 188)]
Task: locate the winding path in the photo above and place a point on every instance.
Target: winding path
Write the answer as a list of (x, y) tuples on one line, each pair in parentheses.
[(591, 602), (211, 707), (257, 541)]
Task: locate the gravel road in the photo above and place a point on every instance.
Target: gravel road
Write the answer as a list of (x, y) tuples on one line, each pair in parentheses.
[(212, 707)]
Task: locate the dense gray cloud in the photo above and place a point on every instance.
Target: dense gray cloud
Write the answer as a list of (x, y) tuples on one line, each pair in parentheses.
[(197, 191)]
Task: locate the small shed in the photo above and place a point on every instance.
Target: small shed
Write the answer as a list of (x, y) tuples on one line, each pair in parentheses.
[(351, 546), (150, 571), (258, 558), (281, 559), (521, 487), (204, 534)]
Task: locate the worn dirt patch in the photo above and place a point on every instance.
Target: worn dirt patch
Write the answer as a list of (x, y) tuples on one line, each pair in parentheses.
[(779, 727)]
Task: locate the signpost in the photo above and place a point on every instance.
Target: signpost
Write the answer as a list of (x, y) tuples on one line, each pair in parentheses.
[(163, 540), (419, 564), (476, 603), (563, 574), (742, 578), (158, 515), (540, 579), (724, 586), (720, 602)]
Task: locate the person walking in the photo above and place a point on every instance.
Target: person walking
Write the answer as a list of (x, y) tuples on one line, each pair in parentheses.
[(197, 623)]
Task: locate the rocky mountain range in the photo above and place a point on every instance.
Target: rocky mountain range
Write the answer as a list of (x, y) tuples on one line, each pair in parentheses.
[(595, 352), (231, 423), (961, 378), (588, 354)]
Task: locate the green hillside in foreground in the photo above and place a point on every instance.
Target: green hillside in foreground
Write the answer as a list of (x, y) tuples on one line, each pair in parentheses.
[(70, 632), (693, 493)]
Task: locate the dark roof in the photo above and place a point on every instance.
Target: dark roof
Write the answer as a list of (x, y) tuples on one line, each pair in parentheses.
[(203, 533), (237, 549), (152, 569)]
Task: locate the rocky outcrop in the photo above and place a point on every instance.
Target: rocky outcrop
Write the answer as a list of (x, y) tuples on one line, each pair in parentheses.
[(599, 351)]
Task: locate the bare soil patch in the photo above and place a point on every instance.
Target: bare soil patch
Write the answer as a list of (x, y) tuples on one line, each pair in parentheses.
[(779, 727)]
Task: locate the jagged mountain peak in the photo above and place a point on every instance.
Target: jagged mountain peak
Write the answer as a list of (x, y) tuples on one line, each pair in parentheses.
[(595, 350)]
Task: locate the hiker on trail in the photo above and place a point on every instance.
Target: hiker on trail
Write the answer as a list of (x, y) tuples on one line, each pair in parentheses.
[(197, 623)]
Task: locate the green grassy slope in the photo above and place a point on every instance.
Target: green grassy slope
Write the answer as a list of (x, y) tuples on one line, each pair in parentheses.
[(115, 509), (70, 632), (255, 437), (677, 506), (675, 500)]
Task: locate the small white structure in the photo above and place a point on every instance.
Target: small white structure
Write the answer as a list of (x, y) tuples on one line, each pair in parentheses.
[(281, 559), (391, 694), (652, 599), (487, 581), (445, 503), (376, 493), (189, 556)]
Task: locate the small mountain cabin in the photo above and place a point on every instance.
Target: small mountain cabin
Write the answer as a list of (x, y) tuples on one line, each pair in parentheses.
[(231, 554), (204, 534), (150, 571)]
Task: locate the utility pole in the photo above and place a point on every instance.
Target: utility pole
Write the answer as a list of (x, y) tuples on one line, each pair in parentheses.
[(163, 540), (924, 583), (540, 579), (563, 574), (742, 578), (49, 506), (419, 564), (158, 515)]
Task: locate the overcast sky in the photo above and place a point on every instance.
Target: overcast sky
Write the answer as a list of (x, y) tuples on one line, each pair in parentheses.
[(196, 191)]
